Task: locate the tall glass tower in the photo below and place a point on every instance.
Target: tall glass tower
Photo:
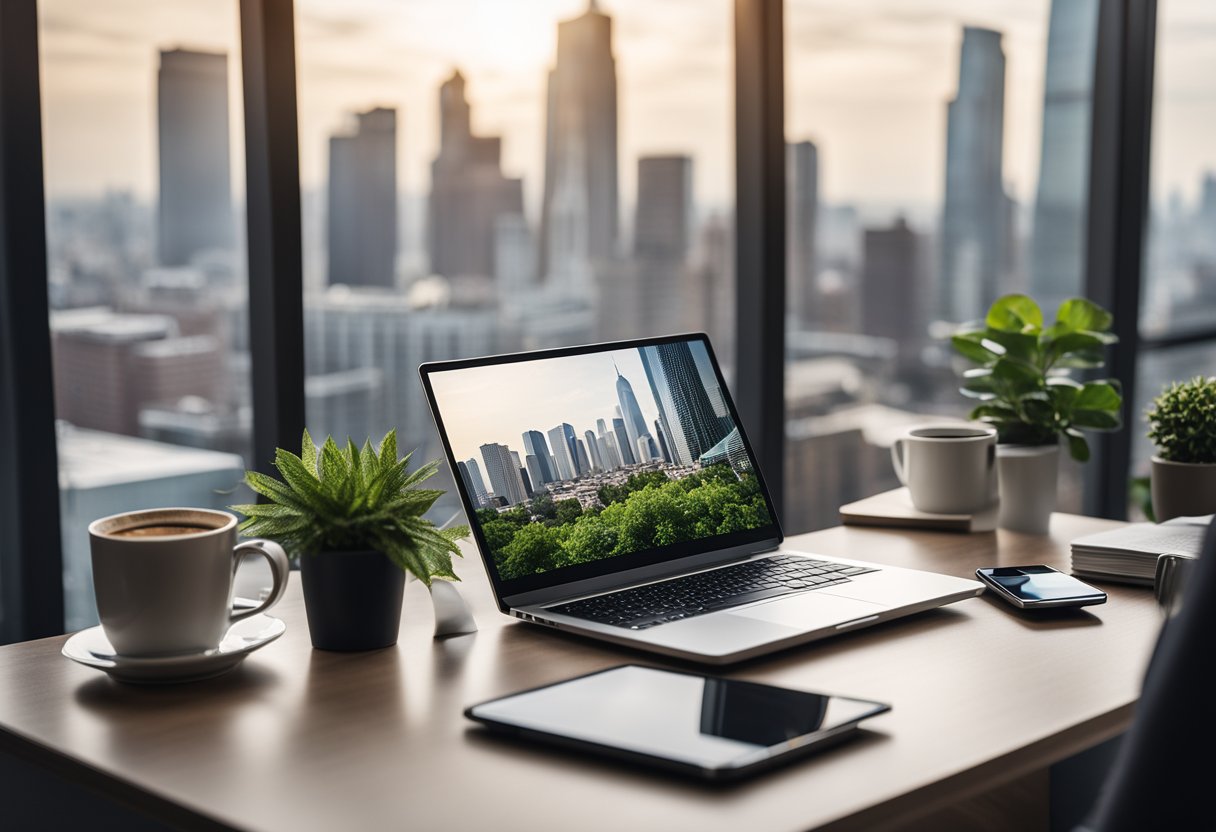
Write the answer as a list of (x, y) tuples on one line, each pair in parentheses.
[(687, 416), (534, 445), (635, 423)]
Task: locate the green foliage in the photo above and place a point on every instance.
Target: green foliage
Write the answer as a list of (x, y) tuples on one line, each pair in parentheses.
[(646, 511), (347, 499), (1182, 421), (1022, 384)]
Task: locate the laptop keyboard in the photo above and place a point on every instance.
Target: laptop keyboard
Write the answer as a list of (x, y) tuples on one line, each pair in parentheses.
[(710, 591)]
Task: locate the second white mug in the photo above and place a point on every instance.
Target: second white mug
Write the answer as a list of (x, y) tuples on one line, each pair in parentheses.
[(949, 469)]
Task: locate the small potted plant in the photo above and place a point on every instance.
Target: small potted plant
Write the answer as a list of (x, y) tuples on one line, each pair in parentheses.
[(1182, 424), (354, 517), (1024, 389)]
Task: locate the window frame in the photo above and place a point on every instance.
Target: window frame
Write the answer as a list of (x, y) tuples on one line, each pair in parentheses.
[(31, 588)]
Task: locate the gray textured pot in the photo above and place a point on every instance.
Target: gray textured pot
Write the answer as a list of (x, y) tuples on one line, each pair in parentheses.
[(1183, 489)]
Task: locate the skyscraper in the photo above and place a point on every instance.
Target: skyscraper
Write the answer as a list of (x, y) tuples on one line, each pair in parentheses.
[(195, 204), (685, 410), (593, 451), (534, 445), (504, 475), (584, 461), (581, 142), (1057, 253), (635, 423), (468, 191), (664, 448), (890, 283), (975, 223), (802, 212), (474, 496), (622, 440), (663, 222), (561, 439), (362, 210), (479, 485), (608, 445), (534, 472)]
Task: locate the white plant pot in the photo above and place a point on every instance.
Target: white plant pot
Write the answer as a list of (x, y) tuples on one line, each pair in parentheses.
[(1028, 477)]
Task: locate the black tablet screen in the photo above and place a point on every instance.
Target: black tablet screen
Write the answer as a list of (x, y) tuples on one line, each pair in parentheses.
[(704, 722)]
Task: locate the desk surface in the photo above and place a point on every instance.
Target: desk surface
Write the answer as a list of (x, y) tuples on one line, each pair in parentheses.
[(298, 739)]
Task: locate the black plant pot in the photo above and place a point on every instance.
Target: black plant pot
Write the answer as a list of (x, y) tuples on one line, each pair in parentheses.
[(353, 599)]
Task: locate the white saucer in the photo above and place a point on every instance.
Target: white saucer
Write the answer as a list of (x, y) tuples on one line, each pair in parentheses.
[(91, 647)]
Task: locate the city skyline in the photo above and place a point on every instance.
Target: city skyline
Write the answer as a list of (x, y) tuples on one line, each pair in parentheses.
[(113, 94), (484, 405)]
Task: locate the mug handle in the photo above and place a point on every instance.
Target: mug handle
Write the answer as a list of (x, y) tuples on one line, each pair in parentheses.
[(279, 568), (897, 460)]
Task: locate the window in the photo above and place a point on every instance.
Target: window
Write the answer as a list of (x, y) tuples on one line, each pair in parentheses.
[(937, 158), (1178, 295), (144, 179), (482, 177)]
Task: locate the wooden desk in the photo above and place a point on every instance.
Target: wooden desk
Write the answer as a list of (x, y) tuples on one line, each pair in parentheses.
[(298, 739)]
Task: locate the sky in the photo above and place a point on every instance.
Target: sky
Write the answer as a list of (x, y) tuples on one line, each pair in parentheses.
[(499, 403), (867, 80)]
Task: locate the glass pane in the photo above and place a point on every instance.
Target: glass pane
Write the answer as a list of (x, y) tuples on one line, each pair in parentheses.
[(144, 182), (1179, 292), (483, 177), (937, 159), (1155, 371)]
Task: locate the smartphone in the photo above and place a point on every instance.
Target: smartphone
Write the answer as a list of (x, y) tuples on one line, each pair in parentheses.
[(1039, 587)]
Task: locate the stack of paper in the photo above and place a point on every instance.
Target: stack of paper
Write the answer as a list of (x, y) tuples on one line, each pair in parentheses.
[(1129, 553), (895, 509)]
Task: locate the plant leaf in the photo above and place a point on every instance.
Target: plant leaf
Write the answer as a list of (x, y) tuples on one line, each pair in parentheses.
[(308, 454), (388, 449), (1082, 314), (971, 348), (1015, 313), (272, 489), (1098, 395), (1078, 448)]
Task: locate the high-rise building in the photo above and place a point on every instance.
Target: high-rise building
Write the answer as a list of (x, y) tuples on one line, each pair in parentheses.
[(663, 222), (581, 177), (195, 203), (608, 446), (564, 451), (890, 283), (537, 477), (534, 445), (593, 451), (975, 245), (345, 403), (514, 255), (622, 440), (362, 210), (1057, 253), (802, 213), (664, 448), (468, 191), (584, 460), (479, 484), (685, 410), (504, 475), (635, 423), (474, 495)]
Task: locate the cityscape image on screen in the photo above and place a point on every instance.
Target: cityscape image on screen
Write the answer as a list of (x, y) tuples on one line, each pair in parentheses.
[(569, 460)]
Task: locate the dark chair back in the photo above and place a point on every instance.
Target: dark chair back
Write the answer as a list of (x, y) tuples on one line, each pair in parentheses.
[(1167, 763)]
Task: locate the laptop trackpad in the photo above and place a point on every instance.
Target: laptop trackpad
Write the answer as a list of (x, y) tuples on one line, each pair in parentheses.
[(810, 611)]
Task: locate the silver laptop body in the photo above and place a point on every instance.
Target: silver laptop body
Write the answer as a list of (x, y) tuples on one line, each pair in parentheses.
[(864, 594)]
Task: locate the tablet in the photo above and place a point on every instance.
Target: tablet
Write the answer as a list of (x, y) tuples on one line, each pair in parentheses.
[(696, 724)]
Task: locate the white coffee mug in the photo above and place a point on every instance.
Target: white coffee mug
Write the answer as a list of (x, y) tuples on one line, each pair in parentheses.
[(948, 469), (163, 578)]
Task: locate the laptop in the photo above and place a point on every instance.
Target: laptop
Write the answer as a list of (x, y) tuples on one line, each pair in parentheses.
[(613, 493)]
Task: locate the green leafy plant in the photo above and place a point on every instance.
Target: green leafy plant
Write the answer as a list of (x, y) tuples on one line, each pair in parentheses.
[(336, 499), (1182, 421), (1022, 382)]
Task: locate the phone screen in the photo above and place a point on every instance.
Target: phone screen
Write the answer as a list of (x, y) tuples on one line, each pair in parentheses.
[(1040, 583)]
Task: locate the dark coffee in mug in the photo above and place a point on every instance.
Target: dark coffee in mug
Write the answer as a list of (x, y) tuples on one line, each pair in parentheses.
[(160, 531)]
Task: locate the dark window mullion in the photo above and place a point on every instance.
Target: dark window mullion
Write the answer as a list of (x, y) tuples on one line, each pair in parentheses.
[(272, 172), (31, 560), (759, 372), (1118, 213)]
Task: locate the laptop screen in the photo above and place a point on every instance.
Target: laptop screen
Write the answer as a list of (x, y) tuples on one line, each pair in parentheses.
[(579, 462)]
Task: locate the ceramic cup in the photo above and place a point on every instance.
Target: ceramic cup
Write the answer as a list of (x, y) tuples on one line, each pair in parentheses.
[(163, 578), (948, 469)]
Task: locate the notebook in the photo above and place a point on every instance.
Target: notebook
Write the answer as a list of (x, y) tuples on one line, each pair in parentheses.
[(894, 509), (1129, 553)]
